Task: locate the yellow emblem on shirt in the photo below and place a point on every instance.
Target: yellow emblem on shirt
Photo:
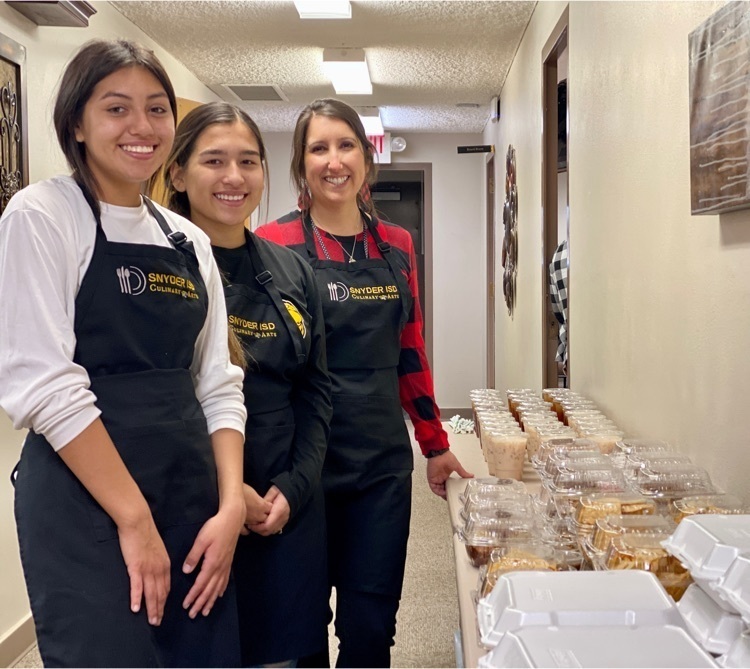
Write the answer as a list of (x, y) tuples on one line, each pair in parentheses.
[(296, 317)]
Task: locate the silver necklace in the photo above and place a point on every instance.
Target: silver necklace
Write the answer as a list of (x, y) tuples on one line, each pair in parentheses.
[(346, 253)]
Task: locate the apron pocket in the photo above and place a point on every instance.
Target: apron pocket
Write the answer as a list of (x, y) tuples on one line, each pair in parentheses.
[(173, 465)]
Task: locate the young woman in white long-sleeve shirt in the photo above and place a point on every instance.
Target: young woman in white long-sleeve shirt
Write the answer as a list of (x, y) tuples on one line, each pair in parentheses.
[(113, 354)]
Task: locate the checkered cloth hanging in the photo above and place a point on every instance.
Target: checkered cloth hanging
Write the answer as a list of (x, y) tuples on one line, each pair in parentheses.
[(558, 291)]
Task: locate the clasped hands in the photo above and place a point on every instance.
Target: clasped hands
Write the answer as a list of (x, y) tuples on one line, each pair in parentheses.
[(266, 515)]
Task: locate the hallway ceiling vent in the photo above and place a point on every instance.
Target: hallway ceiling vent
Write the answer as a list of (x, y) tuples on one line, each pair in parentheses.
[(252, 92)]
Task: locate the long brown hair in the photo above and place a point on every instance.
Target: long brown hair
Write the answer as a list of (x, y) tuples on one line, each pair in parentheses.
[(331, 108), (94, 61)]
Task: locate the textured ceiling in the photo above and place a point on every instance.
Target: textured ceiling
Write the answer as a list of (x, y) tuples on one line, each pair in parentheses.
[(424, 56)]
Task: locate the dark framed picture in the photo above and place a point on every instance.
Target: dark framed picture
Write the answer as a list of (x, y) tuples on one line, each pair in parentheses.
[(719, 113), (14, 157)]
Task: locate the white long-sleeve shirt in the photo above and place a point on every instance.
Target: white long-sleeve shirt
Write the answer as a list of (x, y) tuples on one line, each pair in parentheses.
[(47, 236)]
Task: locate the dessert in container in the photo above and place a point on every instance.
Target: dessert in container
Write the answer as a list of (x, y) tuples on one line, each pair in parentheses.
[(561, 444), (606, 529), (618, 646), (482, 533), (644, 551), (506, 453), (714, 629), (559, 461), (587, 477), (564, 599), (719, 503), (671, 481), (516, 557)]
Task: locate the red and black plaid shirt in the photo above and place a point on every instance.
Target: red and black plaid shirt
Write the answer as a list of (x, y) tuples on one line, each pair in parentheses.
[(416, 389)]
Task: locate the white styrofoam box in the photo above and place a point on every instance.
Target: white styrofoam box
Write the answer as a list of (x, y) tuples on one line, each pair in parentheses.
[(602, 646), (739, 654), (707, 544), (735, 586), (709, 586), (531, 598), (713, 628)]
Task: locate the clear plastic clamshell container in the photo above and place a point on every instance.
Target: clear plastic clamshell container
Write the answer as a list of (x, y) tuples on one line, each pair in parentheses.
[(670, 481), (519, 556), (599, 505), (645, 551), (492, 482), (606, 529), (720, 503), (610, 646), (635, 462), (559, 445), (585, 477), (712, 627), (482, 533), (560, 461), (489, 500), (633, 445), (563, 599)]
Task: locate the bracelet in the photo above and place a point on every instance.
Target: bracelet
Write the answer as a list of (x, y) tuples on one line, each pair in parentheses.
[(434, 453)]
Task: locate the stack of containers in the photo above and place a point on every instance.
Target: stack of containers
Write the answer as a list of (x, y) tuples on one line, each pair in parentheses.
[(503, 443), (715, 549), (537, 416), (592, 619), (496, 513)]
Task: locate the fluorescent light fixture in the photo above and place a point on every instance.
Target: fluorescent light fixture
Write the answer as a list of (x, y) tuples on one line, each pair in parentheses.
[(347, 70), (370, 117), (323, 9)]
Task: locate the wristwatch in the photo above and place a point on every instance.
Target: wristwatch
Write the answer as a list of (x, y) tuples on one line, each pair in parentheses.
[(435, 452)]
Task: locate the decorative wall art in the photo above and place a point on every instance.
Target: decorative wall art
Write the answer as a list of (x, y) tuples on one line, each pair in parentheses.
[(14, 170), (720, 111), (509, 255)]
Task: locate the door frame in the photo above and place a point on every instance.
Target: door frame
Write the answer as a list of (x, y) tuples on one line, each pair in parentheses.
[(555, 45), (489, 171), (427, 307)]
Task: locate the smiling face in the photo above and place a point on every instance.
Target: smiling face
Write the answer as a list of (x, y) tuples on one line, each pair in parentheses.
[(335, 166), (127, 128), (224, 180)]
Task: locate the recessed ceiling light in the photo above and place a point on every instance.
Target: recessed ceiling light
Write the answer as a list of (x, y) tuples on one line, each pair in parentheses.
[(468, 105), (323, 9)]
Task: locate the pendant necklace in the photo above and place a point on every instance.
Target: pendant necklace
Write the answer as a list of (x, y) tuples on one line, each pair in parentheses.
[(346, 253)]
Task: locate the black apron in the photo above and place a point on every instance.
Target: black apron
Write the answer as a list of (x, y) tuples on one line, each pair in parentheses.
[(137, 316), (282, 591), (369, 461)]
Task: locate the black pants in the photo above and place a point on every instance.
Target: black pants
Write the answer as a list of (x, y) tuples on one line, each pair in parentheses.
[(365, 626)]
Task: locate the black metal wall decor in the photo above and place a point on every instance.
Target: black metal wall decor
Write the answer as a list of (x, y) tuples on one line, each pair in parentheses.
[(14, 170), (509, 254)]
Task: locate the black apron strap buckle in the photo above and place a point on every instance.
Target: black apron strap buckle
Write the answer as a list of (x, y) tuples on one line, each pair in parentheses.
[(178, 237), (384, 247), (264, 277)]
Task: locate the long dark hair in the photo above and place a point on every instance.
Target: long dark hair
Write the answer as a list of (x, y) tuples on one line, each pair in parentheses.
[(94, 61), (190, 129), (331, 108)]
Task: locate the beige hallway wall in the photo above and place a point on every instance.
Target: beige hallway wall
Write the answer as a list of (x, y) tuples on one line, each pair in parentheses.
[(660, 299)]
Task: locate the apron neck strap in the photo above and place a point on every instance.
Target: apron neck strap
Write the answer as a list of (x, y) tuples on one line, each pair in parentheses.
[(265, 279)]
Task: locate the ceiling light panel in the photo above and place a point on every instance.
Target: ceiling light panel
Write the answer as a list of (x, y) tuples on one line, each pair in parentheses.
[(347, 70), (323, 9)]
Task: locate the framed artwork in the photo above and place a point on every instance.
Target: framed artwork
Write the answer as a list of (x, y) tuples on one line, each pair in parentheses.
[(720, 111), (14, 157)]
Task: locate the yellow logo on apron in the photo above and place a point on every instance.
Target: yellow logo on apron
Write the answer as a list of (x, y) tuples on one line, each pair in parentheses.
[(296, 317)]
